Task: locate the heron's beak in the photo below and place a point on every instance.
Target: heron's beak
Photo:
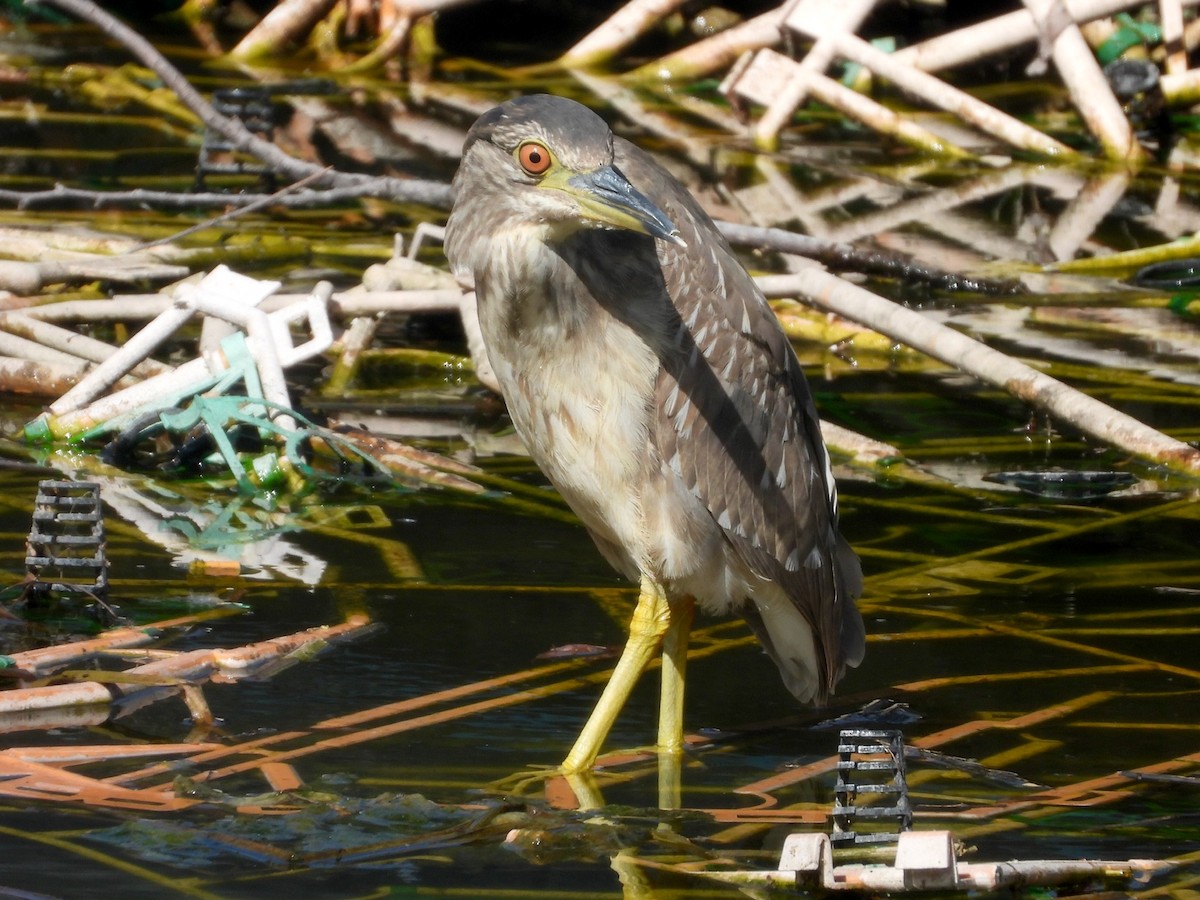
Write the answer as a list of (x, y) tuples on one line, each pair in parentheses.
[(607, 197)]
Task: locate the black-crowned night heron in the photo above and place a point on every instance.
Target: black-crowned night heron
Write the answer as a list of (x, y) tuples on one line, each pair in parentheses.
[(654, 387)]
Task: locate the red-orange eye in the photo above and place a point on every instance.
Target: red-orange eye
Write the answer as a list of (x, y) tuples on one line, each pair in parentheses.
[(533, 157)]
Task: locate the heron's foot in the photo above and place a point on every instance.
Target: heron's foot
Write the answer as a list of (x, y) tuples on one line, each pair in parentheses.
[(526, 781), (560, 789), (585, 785), (586, 789)]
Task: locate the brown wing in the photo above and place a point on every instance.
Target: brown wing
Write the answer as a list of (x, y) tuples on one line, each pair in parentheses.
[(738, 425)]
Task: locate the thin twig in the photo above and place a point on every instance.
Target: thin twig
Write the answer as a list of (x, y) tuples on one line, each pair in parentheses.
[(842, 256), (254, 205), (938, 93)]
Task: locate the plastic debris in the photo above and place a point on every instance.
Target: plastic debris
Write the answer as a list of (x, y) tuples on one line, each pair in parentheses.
[(230, 407), (223, 294), (877, 757), (925, 861), (239, 388), (65, 550)]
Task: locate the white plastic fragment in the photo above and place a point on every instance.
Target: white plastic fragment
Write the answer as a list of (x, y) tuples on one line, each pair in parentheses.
[(927, 860), (132, 352), (809, 856), (222, 294), (924, 861)]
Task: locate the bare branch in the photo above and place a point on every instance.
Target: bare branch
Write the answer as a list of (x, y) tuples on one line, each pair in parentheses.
[(240, 211)]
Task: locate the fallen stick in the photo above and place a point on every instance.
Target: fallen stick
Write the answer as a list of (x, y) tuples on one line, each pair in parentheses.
[(40, 379), (45, 660), (287, 22), (346, 304), (617, 32), (717, 52), (857, 106), (76, 345), (1170, 17), (846, 15), (968, 355)]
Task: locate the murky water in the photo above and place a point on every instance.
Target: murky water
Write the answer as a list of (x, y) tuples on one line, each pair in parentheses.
[(1049, 637)]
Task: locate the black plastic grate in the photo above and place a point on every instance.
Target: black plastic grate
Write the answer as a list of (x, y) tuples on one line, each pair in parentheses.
[(65, 549), (870, 803)]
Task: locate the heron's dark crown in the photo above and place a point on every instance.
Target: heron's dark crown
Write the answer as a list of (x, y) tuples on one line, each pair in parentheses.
[(580, 138)]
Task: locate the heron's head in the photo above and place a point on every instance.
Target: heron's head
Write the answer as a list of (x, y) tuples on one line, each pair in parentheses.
[(548, 161)]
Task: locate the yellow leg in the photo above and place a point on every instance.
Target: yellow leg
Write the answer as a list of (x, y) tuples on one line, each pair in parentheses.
[(670, 709), (674, 671), (670, 779), (650, 622)]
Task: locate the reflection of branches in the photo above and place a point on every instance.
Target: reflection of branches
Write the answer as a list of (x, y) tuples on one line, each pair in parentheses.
[(431, 193)]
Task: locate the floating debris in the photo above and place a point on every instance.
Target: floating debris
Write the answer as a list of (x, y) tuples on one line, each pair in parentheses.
[(580, 651), (1061, 484), (255, 357), (230, 404), (972, 767), (875, 714), (923, 860)]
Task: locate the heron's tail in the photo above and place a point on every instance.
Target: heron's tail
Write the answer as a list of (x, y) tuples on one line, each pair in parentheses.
[(811, 663)]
